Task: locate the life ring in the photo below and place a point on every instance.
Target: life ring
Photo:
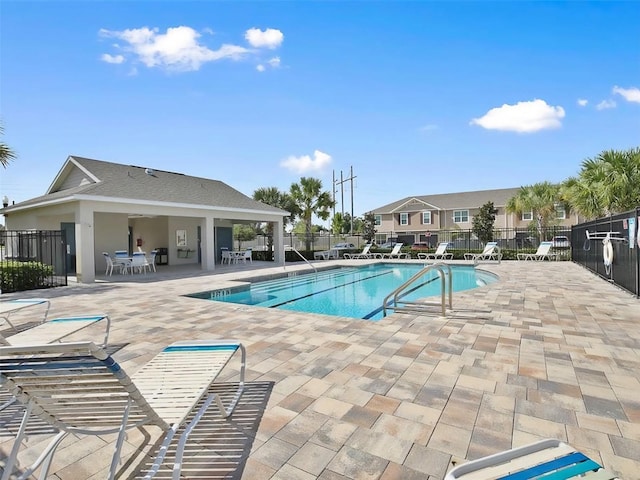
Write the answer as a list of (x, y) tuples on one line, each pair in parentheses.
[(607, 253)]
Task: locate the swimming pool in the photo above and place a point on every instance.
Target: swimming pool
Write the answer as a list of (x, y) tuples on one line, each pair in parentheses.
[(356, 292)]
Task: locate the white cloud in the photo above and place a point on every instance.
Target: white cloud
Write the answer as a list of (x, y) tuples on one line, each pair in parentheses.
[(523, 117), (177, 49), (583, 102), (105, 57), (269, 38), (428, 128), (272, 63), (606, 104), (305, 163), (629, 94)]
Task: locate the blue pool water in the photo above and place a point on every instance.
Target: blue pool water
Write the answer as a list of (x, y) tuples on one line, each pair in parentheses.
[(356, 292)]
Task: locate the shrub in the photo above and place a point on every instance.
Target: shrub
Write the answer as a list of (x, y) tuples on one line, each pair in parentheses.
[(18, 276)]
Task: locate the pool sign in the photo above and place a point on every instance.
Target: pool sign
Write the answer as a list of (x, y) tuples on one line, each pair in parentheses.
[(632, 232)]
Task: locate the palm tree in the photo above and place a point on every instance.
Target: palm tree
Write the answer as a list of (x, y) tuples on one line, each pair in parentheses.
[(6, 154), (274, 197), (310, 200), (607, 184), (541, 199)]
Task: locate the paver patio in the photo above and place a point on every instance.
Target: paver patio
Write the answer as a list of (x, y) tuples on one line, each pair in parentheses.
[(549, 351)]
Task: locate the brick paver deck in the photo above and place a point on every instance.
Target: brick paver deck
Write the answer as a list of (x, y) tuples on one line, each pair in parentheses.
[(549, 351)]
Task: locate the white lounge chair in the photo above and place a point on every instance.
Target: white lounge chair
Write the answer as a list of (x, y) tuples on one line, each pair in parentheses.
[(543, 253), (544, 459), (363, 254), (439, 254), (395, 253), (80, 389), (57, 329), (10, 307), (491, 252)]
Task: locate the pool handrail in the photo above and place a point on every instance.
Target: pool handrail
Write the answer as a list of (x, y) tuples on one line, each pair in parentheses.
[(439, 268), (289, 247)]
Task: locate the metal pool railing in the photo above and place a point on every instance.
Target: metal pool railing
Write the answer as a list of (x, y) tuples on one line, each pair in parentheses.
[(419, 306)]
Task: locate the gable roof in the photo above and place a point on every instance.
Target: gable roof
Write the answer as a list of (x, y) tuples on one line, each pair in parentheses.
[(85, 178), (450, 201)]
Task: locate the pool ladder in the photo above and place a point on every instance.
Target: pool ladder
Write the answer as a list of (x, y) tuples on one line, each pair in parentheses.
[(293, 249), (393, 302)]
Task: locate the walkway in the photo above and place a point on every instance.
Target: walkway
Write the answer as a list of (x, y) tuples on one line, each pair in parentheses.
[(549, 351)]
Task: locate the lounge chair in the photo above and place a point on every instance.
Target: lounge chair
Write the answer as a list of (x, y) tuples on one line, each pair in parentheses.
[(550, 456), (395, 253), (363, 254), (439, 254), (57, 329), (9, 307), (491, 252), (80, 389), (543, 253)]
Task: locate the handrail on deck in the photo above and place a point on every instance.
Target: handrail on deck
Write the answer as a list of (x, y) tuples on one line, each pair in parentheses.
[(439, 268), (289, 247)]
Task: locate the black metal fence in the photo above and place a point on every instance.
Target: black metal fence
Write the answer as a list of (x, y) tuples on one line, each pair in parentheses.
[(512, 239), (32, 259), (588, 251)]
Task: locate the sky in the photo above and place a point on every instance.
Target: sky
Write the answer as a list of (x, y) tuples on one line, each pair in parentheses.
[(397, 98)]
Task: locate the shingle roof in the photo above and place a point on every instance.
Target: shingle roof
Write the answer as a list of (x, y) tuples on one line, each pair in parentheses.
[(118, 181), (448, 201)]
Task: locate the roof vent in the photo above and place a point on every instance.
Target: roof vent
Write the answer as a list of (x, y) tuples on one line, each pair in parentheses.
[(148, 171)]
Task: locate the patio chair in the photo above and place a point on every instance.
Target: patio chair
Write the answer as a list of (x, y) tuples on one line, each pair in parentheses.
[(247, 256), (80, 389), (552, 457), (139, 263), (395, 253), (151, 260), (439, 254), (543, 253), (491, 252), (111, 264), (363, 254)]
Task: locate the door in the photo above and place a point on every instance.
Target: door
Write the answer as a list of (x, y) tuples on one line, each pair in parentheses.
[(69, 230)]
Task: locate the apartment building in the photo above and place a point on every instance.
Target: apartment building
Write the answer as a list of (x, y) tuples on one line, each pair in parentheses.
[(420, 217)]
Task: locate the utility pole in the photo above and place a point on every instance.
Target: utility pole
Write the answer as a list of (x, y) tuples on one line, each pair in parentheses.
[(341, 183)]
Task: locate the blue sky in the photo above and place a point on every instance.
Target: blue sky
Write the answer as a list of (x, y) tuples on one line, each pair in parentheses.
[(417, 97)]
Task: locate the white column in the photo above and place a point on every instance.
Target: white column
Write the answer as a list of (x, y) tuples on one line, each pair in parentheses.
[(207, 245), (85, 256), (278, 242)]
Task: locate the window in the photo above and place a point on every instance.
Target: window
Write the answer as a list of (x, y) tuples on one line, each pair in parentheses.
[(560, 213), (404, 219), (461, 216), (527, 216), (378, 219), (426, 218)]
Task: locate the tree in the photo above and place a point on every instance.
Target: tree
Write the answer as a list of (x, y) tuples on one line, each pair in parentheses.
[(243, 233), (310, 200), (541, 199), (274, 197), (369, 227), (339, 224), (6, 154), (483, 222), (606, 184)]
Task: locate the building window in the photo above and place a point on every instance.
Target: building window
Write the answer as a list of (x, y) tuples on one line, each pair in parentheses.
[(527, 216), (560, 213), (426, 218), (378, 219), (461, 216), (404, 219)]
